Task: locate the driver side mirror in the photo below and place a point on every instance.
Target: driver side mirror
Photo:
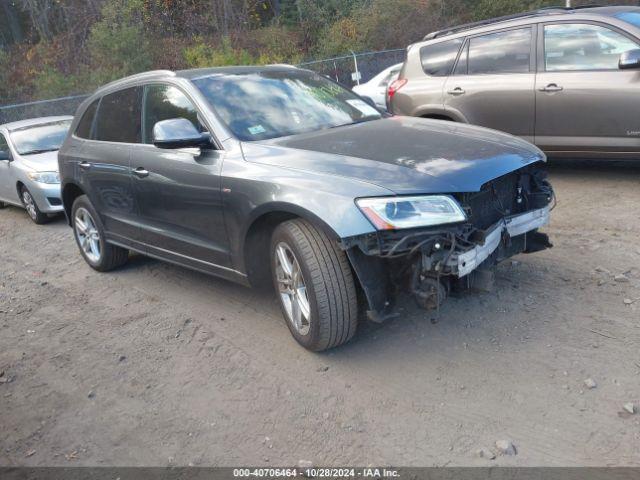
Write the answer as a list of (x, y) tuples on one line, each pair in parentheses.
[(4, 156), (630, 60), (179, 133)]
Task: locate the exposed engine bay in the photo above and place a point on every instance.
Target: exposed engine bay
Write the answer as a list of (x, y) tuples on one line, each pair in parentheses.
[(503, 219)]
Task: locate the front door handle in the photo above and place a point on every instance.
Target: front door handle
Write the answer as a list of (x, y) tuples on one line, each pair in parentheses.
[(84, 165), (552, 87), (141, 172), (456, 91)]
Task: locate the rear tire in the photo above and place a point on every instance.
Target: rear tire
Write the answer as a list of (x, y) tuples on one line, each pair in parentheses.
[(90, 238), (30, 205), (323, 287)]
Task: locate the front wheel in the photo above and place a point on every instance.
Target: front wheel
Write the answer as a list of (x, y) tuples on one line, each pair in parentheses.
[(31, 207), (90, 237), (314, 284)]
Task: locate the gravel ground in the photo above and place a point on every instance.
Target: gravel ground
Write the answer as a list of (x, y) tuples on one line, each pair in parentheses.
[(157, 365)]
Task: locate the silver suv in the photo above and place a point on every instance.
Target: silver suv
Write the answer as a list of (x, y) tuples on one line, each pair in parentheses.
[(567, 80)]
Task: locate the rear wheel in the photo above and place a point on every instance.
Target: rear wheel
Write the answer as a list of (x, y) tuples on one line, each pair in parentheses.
[(90, 237), (31, 207), (314, 285)]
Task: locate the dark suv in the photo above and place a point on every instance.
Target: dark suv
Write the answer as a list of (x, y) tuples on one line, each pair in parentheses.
[(567, 80), (278, 174)]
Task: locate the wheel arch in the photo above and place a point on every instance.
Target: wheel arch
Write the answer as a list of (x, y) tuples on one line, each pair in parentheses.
[(70, 191), (256, 237), (440, 114), (19, 185)]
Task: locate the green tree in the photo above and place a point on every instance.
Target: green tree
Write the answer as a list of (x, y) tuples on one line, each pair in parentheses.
[(117, 43)]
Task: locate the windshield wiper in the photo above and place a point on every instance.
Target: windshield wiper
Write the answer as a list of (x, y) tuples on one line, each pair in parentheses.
[(42, 150), (362, 120)]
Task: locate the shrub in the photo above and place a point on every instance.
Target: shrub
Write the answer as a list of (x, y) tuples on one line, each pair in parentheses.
[(204, 55)]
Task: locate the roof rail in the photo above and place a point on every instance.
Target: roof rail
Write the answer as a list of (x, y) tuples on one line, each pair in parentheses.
[(140, 76), (505, 18)]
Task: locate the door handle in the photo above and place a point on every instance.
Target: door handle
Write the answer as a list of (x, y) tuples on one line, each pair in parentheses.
[(456, 91), (84, 165), (552, 87), (141, 172)]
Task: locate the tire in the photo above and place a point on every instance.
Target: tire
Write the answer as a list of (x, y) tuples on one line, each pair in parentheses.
[(3, 205), (30, 205), (327, 281), (90, 238)]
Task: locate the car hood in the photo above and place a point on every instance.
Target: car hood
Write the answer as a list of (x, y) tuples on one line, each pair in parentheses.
[(41, 162), (403, 154)]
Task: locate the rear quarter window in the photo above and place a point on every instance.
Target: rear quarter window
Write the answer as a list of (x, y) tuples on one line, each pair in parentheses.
[(85, 126), (438, 59), (119, 117)]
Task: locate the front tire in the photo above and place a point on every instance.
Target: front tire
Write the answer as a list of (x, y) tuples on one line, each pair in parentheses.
[(31, 207), (90, 238), (314, 284), (3, 205)]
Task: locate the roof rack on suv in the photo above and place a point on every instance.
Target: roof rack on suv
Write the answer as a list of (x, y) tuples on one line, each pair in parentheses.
[(141, 76), (505, 18)]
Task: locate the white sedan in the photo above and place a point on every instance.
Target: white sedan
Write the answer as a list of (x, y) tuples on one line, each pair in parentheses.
[(376, 88)]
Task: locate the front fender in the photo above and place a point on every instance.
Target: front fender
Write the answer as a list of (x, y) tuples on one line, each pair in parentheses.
[(253, 190)]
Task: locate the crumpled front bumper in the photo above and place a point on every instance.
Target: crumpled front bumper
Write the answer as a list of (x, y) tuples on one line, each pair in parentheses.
[(463, 264)]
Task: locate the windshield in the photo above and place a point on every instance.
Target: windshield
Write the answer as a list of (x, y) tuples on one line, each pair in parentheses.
[(273, 104), (40, 138)]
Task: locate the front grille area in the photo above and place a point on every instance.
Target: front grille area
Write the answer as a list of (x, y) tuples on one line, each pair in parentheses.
[(495, 200), (517, 192)]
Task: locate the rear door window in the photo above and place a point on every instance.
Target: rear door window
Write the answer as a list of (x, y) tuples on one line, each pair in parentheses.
[(119, 116), (438, 59), (575, 47), (164, 102), (500, 52)]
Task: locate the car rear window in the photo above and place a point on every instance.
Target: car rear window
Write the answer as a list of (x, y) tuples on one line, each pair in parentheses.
[(501, 52), (119, 116), (85, 125), (438, 59), (630, 17)]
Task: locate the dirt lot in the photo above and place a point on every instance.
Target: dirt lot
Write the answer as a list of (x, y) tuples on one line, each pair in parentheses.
[(157, 365)]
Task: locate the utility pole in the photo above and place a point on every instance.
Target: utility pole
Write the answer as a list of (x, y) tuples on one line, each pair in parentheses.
[(568, 3)]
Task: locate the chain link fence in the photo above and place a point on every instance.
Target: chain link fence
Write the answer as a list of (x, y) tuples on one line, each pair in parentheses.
[(347, 70), (42, 108), (350, 70)]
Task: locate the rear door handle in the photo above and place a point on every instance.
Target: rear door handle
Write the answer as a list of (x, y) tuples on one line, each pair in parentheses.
[(552, 87), (141, 172), (84, 165), (456, 91)]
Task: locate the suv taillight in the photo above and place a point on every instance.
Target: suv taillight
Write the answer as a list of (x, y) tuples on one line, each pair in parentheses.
[(395, 86)]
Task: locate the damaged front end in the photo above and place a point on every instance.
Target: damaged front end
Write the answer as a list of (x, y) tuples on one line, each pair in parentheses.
[(502, 220)]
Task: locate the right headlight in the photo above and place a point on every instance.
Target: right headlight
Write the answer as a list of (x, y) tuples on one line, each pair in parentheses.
[(393, 213), (50, 178)]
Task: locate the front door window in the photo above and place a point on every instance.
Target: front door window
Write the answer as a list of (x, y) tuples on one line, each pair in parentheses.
[(580, 47)]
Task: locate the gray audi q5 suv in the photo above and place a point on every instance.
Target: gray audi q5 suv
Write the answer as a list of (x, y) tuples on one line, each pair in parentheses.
[(567, 80), (278, 174)]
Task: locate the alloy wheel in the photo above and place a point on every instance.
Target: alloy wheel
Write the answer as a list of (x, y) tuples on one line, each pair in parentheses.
[(87, 235), (29, 204), (292, 289)]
